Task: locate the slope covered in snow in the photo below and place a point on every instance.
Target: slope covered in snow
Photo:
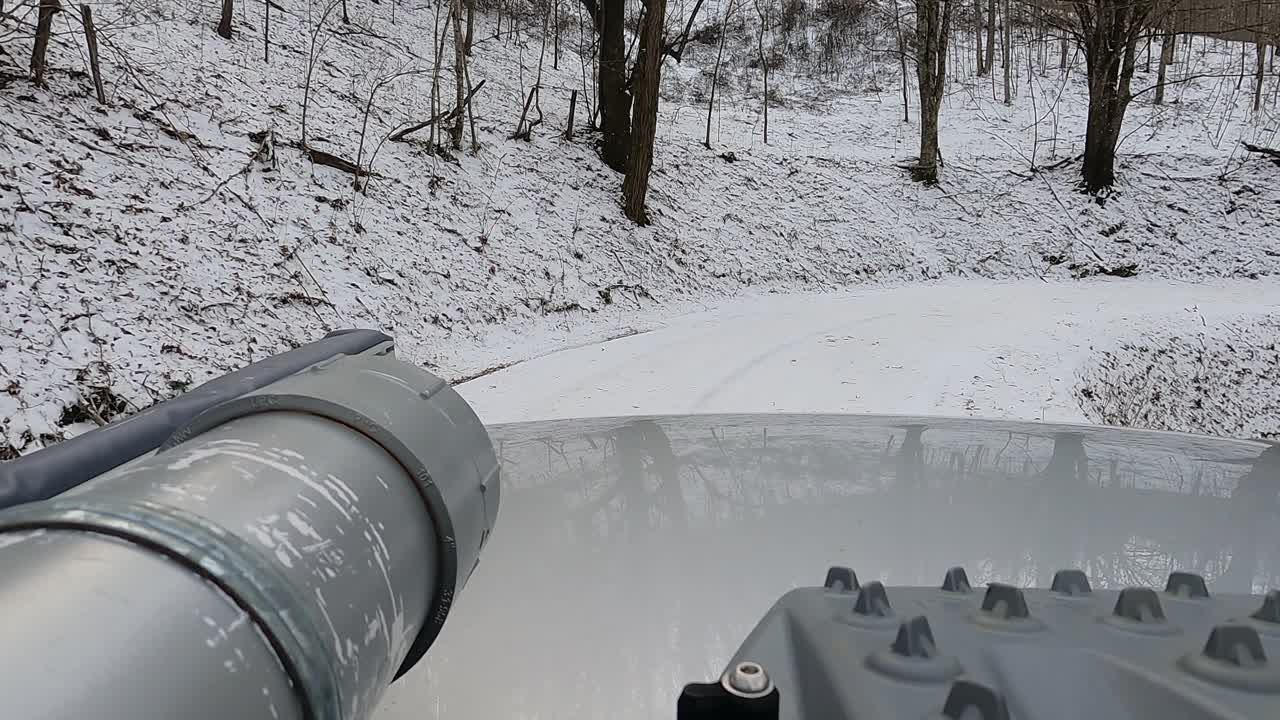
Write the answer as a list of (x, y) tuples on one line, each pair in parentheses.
[(178, 231)]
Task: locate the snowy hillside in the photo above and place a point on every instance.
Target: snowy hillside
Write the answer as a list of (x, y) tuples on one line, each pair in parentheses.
[(177, 231)]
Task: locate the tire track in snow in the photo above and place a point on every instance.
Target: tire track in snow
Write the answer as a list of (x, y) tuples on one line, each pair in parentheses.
[(993, 349)]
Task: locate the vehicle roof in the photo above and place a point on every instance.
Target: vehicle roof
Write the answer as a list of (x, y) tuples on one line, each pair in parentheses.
[(633, 555)]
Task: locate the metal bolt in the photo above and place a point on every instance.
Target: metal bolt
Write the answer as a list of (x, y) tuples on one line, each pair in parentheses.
[(748, 678)]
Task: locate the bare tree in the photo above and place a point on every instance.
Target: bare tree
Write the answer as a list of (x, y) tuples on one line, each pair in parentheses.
[(762, 13), (1167, 41), (933, 29), (715, 73), (608, 17), (1261, 49), (977, 32), (40, 50), (266, 31), (438, 38), (991, 35), (902, 60), (1109, 32), (91, 40), (224, 24), (315, 46), (1259, 76), (459, 72), (635, 186), (471, 26), (616, 107), (1006, 41)]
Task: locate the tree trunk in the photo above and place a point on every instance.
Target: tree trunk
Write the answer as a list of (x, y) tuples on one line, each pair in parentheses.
[(764, 65), (933, 28), (1243, 57), (1005, 60), (224, 24), (615, 98), (927, 171), (438, 37), (91, 39), (1062, 59), (1044, 48), (977, 31), (471, 27), (1166, 57), (40, 50), (902, 57), (1259, 76), (991, 35), (635, 186), (1111, 35), (459, 72), (715, 73), (573, 107), (1100, 141)]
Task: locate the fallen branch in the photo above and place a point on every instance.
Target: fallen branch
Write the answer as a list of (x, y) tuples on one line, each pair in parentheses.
[(1269, 152), (1060, 163), (400, 135), (320, 157), (523, 131)]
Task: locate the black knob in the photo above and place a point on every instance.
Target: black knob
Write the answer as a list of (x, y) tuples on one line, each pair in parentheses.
[(1270, 610), (841, 578), (1236, 644), (1186, 584), (1139, 605), (956, 581), (915, 639), (966, 695), (1071, 582), (872, 600), (1005, 601)]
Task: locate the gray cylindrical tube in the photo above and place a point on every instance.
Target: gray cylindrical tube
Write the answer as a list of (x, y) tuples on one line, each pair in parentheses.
[(286, 556)]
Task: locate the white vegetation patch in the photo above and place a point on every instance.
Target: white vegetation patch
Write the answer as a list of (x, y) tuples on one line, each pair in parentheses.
[(177, 232), (1222, 378)]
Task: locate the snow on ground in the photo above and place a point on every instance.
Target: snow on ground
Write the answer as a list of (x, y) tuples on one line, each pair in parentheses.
[(1007, 350), (157, 241)]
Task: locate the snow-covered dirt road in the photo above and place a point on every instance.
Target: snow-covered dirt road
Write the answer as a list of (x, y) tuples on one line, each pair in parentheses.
[(1008, 350)]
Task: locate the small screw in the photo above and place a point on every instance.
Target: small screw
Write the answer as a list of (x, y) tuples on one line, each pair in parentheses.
[(749, 678)]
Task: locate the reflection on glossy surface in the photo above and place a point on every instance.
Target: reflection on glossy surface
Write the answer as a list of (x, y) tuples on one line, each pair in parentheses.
[(633, 555)]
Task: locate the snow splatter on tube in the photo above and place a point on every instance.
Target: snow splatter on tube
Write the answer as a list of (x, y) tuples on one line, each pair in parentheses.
[(287, 554)]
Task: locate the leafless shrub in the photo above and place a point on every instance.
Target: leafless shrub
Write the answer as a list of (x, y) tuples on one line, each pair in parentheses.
[(1222, 380)]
